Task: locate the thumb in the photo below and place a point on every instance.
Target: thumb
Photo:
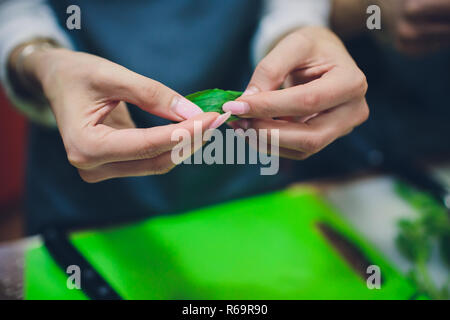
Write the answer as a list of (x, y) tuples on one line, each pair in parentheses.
[(290, 53)]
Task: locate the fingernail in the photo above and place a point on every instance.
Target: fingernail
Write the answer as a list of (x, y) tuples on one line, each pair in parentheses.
[(236, 107), (250, 91), (220, 120), (184, 108)]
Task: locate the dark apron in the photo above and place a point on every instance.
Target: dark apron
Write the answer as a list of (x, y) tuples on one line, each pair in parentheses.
[(188, 45)]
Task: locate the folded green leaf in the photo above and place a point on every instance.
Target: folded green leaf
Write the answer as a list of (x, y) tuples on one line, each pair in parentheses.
[(212, 100)]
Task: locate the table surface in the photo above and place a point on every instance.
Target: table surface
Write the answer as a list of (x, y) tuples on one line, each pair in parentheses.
[(367, 202)]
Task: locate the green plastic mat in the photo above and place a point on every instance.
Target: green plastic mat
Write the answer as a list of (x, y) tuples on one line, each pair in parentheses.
[(266, 247)]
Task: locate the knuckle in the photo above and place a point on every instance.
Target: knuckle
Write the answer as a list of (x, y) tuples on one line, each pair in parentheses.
[(312, 145), (269, 72), (311, 100), (148, 151), (77, 159), (361, 83), (347, 132), (364, 113), (305, 156), (301, 39), (264, 108), (152, 90), (82, 156), (98, 76), (102, 74), (165, 170), (301, 156), (162, 167), (89, 176)]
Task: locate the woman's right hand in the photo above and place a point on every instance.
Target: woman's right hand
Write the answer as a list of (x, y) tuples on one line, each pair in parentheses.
[(88, 96)]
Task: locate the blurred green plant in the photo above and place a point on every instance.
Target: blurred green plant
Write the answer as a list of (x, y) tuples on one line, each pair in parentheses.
[(212, 100), (417, 236)]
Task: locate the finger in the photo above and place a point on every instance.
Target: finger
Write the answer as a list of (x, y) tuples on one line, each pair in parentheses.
[(318, 132), (136, 168), (103, 144), (334, 88), (273, 149), (291, 53), (150, 95), (290, 154), (135, 144), (276, 150), (157, 165)]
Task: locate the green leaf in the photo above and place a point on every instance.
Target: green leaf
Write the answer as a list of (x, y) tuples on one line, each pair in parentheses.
[(413, 241), (416, 236), (212, 100)]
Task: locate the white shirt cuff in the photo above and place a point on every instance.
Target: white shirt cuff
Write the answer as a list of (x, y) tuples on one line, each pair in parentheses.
[(22, 21)]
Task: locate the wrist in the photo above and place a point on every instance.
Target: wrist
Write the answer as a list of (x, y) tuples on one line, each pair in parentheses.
[(27, 64), (41, 64), (317, 34)]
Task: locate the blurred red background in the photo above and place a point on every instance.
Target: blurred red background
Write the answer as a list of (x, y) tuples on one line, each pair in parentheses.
[(12, 144)]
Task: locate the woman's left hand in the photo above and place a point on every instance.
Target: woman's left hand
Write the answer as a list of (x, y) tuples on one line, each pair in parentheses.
[(323, 95)]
